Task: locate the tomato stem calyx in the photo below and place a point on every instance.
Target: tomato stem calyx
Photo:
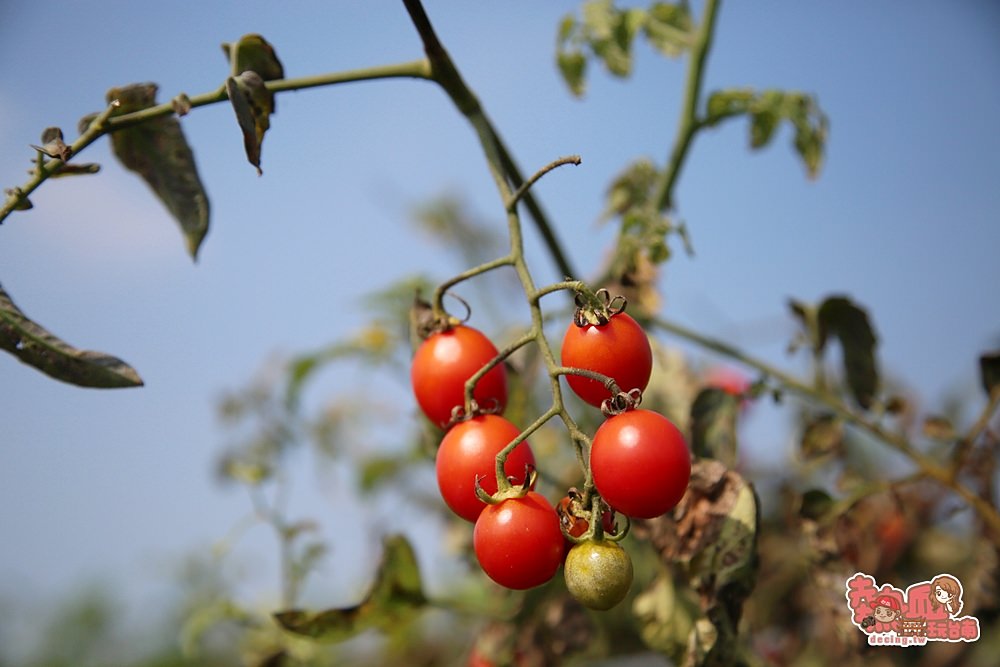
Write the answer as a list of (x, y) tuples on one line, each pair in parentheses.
[(621, 402), (459, 414), (598, 517), (508, 489), (597, 309)]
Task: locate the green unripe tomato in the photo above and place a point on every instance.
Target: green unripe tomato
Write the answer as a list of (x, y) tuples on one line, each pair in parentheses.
[(598, 574)]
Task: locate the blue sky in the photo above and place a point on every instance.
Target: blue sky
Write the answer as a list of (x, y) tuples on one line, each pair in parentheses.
[(116, 484)]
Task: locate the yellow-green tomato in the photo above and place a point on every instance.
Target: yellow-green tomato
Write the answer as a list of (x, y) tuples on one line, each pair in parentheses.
[(598, 574)]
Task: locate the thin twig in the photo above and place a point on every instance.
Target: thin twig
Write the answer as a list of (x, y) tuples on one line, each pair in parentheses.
[(927, 465), (523, 189)]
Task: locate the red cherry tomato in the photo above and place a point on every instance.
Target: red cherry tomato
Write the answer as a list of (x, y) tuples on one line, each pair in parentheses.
[(518, 542), (618, 349), (442, 365), (468, 450), (641, 463)]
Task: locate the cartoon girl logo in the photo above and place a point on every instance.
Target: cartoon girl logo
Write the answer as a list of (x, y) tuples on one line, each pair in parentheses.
[(946, 591)]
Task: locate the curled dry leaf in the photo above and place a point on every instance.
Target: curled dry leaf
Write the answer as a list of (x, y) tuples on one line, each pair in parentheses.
[(710, 539), (158, 151)]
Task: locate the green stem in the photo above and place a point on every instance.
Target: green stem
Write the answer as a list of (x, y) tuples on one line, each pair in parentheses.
[(927, 465), (689, 123), (506, 176), (416, 69), (503, 484), (470, 384), (437, 302), (570, 285), (522, 190), (501, 164)]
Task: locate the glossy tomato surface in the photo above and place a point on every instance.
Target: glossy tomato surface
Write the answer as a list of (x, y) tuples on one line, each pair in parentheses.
[(442, 365), (518, 542), (467, 451), (618, 349), (641, 463)]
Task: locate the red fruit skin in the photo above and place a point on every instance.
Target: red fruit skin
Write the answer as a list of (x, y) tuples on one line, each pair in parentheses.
[(518, 542), (618, 349), (467, 451), (641, 463), (444, 362)]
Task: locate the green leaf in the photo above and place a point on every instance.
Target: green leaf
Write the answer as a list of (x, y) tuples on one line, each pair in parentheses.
[(766, 110), (668, 28), (841, 318), (713, 425), (723, 104), (762, 126), (610, 33), (573, 67), (37, 347), (158, 151), (376, 470), (394, 596), (666, 618), (631, 188), (989, 371)]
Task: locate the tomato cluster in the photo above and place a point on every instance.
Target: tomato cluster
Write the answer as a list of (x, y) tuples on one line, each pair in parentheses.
[(639, 459), (639, 462), (518, 541)]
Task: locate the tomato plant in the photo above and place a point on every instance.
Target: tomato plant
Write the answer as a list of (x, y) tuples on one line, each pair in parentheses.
[(598, 573), (518, 542), (468, 451), (442, 365), (640, 462), (618, 349)]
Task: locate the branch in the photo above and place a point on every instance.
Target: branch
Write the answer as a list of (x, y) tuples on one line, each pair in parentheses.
[(44, 170), (502, 164), (105, 123), (689, 123), (928, 466)]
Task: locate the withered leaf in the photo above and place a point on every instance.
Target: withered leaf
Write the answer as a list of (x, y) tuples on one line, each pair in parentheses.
[(24, 204), (73, 169), (36, 347), (823, 435), (841, 318), (395, 594), (253, 61), (53, 144), (989, 371), (711, 537), (714, 526), (713, 425), (938, 428), (252, 104), (158, 151), (254, 53)]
